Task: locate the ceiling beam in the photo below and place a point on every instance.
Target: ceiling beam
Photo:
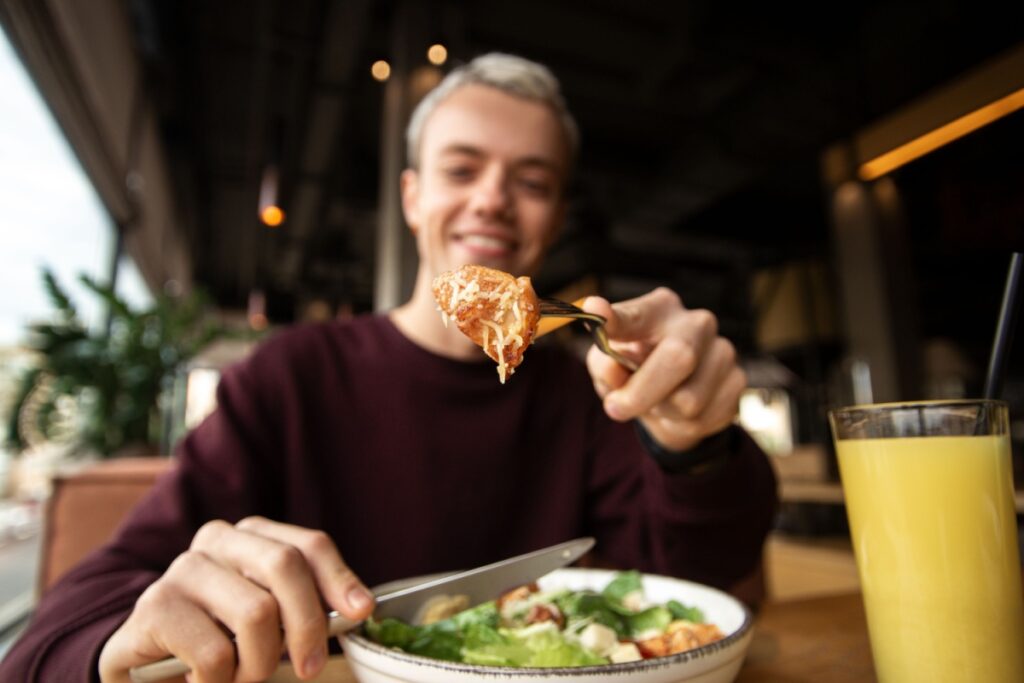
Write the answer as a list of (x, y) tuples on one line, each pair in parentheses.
[(988, 83), (329, 106)]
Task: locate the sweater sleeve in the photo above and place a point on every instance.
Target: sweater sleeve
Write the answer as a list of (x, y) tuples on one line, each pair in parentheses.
[(707, 526), (725, 513), (215, 477)]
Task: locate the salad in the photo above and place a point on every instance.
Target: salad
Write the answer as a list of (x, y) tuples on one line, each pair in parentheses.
[(527, 627)]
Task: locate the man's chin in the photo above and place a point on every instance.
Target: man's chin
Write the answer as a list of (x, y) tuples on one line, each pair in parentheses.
[(503, 263)]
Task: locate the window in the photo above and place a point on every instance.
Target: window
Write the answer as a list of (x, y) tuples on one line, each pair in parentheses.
[(50, 215)]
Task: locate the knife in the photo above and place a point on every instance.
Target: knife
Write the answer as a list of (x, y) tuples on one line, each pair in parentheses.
[(479, 585)]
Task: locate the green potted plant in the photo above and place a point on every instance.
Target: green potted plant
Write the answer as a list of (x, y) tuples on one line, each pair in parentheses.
[(99, 391)]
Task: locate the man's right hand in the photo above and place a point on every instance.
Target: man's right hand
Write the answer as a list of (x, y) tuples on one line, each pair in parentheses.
[(252, 580)]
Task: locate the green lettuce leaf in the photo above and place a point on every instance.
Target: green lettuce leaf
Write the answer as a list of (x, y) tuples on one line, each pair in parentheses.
[(485, 613), (681, 611), (485, 645), (390, 632), (652, 618), (476, 637), (439, 645), (587, 605), (622, 585), (550, 648)]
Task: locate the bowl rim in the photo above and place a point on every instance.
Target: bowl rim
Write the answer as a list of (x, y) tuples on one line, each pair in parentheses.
[(615, 668)]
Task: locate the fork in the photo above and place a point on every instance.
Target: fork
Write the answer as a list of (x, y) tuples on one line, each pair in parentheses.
[(555, 308)]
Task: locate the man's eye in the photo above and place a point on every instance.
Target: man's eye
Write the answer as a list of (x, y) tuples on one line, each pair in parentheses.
[(459, 172), (536, 186)]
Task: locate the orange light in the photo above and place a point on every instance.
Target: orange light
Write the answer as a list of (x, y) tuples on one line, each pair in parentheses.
[(272, 216), (943, 135), (437, 54), (381, 70)]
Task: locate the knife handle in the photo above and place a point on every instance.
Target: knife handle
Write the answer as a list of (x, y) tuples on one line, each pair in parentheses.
[(172, 666)]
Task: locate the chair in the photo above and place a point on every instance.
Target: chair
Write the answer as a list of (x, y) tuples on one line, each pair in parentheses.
[(86, 507)]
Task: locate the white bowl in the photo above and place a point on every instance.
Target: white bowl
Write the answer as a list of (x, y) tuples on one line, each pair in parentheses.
[(718, 662)]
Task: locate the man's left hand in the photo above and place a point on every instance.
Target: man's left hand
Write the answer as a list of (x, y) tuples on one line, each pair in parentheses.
[(688, 384)]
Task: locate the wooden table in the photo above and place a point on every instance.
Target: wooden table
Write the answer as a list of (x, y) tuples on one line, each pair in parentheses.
[(815, 640)]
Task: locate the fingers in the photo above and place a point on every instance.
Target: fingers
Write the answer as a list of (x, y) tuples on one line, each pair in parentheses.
[(339, 585), (638, 318), (248, 611), (688, 383), (182, 615), (246, 581), (607, 374), (154, 630), (678, 433), (695, 394), (674, 359), (281, 573)]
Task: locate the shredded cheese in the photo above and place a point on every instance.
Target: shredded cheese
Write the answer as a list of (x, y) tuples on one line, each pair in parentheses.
[(495, 309), (499, 347)]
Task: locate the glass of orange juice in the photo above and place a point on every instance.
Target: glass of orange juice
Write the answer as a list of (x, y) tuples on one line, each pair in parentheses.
[(930, 501)]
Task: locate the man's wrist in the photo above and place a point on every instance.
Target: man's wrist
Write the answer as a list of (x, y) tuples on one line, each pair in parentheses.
[(705, 455)]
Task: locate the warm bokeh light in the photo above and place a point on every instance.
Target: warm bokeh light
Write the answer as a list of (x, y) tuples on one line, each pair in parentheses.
[(437, 54), (381, 70), (258, 321), (423, 79), (257, 312), (942, 135), (272, 215)]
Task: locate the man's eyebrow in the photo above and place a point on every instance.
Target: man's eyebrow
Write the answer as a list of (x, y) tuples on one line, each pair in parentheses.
[(456, 148), (531, 161), (539, 161)]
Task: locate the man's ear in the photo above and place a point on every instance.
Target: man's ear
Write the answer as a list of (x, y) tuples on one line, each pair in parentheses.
[(410, 184)]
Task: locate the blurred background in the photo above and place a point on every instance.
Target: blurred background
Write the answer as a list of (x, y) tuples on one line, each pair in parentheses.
[(842, 186)]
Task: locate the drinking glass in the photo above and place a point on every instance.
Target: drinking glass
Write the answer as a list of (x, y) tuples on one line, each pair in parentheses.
[(930, 501)]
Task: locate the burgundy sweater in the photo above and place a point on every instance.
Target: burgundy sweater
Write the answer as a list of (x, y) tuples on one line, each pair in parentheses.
[(414, 463)]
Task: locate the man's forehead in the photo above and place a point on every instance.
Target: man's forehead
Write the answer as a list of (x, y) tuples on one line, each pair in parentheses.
[(484, 120), (457, 148)]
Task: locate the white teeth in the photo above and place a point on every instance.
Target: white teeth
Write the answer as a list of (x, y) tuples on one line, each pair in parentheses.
[(485, 241)]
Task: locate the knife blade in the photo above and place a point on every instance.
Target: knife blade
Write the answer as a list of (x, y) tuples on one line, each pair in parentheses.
[(479, 585)]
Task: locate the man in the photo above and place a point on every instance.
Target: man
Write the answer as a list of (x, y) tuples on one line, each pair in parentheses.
[(345, 455)]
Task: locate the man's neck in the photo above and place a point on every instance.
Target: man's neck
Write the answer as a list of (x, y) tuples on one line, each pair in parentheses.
[(420, 321)]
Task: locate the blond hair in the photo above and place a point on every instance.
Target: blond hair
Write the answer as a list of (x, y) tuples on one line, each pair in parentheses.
[(511, 74)]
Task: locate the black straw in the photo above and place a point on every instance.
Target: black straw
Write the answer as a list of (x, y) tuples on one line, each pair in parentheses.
[(1004, 330)]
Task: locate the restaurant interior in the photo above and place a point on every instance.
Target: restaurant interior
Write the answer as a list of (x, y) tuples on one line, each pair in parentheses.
[(841, 186)]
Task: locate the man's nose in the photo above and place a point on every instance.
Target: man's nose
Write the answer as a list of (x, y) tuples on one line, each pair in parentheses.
[(492, 196)]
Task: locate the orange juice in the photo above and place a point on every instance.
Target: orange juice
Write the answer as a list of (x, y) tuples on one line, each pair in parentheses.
[(935, 534)]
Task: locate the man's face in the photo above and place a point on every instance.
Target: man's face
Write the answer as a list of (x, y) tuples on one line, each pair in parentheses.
[(490, 183)]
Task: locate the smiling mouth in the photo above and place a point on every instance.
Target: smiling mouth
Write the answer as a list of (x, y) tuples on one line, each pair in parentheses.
[(486, 242)]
